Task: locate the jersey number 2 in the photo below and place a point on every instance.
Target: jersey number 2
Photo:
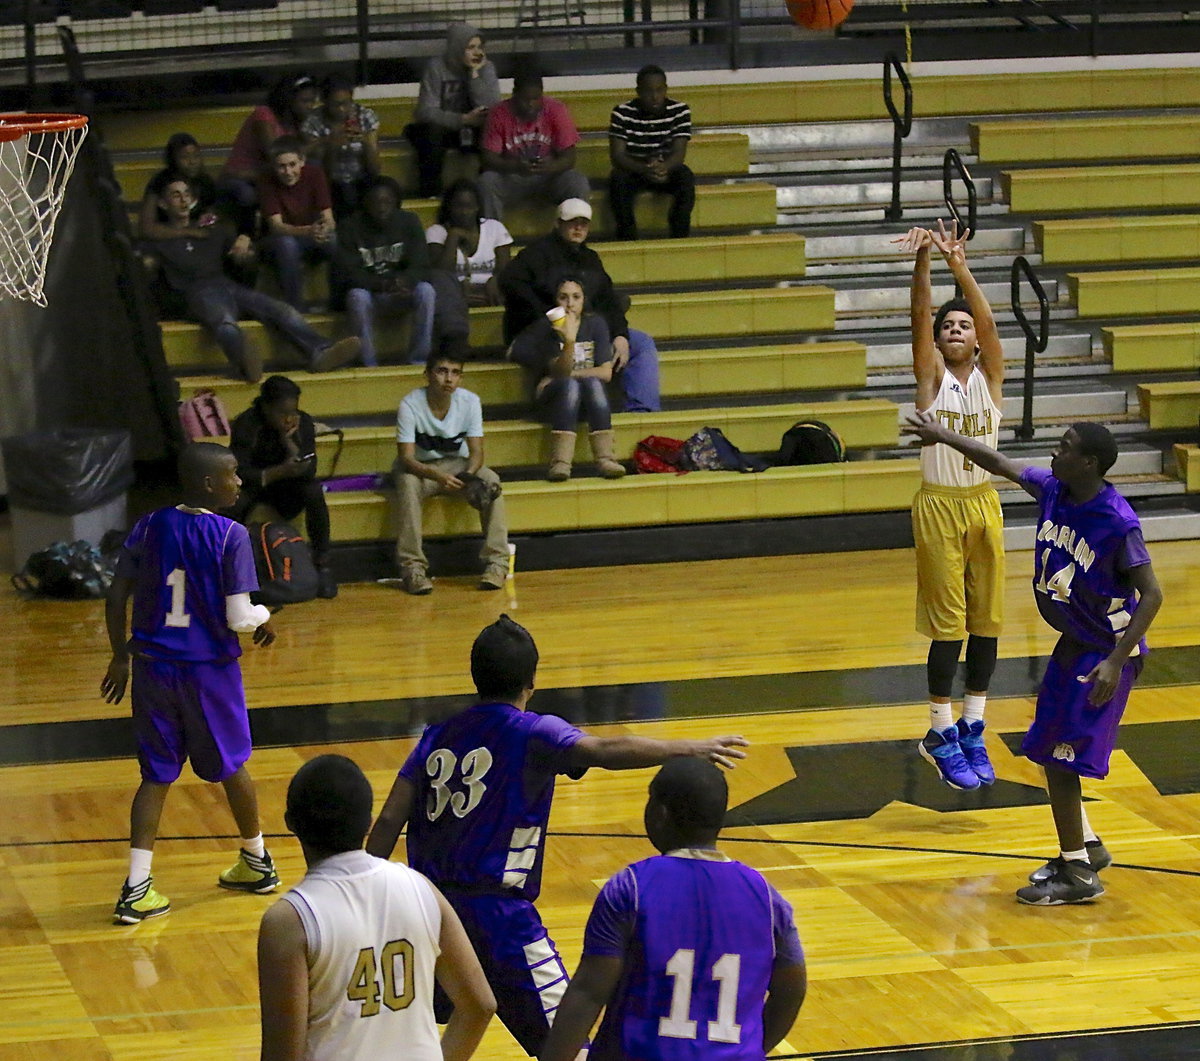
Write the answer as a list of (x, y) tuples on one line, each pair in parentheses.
[(397, 991), (726, 970), (441, 767)]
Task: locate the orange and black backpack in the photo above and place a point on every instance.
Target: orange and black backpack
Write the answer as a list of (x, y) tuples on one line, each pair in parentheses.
[(284, 563)]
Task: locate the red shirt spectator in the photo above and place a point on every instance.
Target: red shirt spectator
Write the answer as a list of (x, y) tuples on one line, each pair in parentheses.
[(550, 132), (300, 204)]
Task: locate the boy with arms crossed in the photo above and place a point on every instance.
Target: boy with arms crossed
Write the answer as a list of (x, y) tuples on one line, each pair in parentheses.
[(1093, 583), (957, 524), (190, 573), (476, 793)]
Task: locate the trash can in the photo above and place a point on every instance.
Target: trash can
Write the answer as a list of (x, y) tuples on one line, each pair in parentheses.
[(65, 486)]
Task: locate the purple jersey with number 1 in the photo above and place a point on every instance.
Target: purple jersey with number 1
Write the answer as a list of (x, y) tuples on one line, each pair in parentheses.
[(483, 781), (699, 935), (183, 565), (1083, 556)]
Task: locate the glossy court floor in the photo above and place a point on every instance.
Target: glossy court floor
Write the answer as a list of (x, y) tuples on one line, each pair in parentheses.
[(903, 890)]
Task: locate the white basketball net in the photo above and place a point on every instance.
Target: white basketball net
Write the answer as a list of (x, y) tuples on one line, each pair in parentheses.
[(34, 170)]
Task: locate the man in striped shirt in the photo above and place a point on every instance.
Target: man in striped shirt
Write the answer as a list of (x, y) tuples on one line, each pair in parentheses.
[(647, 142)]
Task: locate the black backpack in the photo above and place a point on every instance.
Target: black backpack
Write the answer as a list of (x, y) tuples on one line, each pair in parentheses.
[(810, 442), (284, 563), (66, 570)]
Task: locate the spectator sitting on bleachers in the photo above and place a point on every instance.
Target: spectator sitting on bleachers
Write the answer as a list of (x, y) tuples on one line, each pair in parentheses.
[(181, 158), (530, 286), (570, 360), (288, 105), (193, 269), (457, 91), (383, 265), (348, 137), (647, 143), (275, 445), (439, 450), (473, 247), (297, 211), (529, 150)]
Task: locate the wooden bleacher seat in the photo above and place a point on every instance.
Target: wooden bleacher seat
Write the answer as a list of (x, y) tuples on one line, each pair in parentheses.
[(1170, 347), (1136, 292), (1187, 466), (1101, 240), (1079, 189), (1173, 405), (1083, 139)]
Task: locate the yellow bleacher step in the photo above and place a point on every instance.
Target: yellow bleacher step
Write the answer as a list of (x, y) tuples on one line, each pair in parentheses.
[(1077, 189), (1170, 405), (1136, 292), (1083, 139), (524, 443), (708, 155), (1153, 347), (688, 315), (1086, 240), (684, 373), (738, 103), (1187, 466), (644, 500)]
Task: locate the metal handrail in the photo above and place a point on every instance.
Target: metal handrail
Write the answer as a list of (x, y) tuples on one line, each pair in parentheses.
[(901, 126), (1034, 344), (950, 163)]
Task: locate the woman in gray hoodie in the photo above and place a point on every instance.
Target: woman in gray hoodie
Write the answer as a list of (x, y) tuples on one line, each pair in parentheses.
[(456, 92)]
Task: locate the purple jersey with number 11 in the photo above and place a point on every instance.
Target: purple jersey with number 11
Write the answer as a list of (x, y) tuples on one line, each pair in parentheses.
[(183, 564), (699, 935)]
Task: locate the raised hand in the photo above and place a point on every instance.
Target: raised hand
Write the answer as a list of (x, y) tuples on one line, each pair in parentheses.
[(951, 244), (915, 239), (724, 751)]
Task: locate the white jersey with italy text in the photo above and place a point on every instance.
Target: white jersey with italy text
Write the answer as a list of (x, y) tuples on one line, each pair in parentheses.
[(966, 409), (372, 929)]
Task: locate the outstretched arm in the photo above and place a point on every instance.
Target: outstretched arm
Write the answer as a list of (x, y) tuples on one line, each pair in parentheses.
[(991, 354), (927, 364), (930, 430), (632, 753)]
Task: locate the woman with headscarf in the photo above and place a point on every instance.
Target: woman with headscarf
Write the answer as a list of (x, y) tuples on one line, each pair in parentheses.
[(457, 90)]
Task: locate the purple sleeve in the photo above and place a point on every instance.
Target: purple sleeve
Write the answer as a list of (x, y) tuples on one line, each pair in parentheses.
[(787, 940), (555, 737), (129, 558), (1034, 480), (1133, 551), (237, 562), (610, 926)]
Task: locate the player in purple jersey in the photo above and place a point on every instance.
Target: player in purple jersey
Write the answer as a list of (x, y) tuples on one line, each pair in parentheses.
[(690, 954), (1093, 583), (476, 794), (190, 573)]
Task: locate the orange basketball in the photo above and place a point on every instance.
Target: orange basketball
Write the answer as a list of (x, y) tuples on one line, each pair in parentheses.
[(819, 14)]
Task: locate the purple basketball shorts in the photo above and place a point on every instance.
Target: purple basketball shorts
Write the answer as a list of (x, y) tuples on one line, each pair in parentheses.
[(1068, 731), (189, 710)]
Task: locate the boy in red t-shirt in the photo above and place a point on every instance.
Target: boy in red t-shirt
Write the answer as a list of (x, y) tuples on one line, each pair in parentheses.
[(297, 211), (529, 150)]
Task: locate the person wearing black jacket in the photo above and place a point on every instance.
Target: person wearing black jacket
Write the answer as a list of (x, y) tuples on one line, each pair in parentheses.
[(276, 449), (530, 285)]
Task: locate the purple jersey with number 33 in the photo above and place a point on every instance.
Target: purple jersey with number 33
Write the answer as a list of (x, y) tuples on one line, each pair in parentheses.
[(699, 938), (483, 781), (183, 565), (1083, 556)]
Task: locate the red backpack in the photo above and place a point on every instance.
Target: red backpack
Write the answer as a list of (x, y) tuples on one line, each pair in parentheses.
[(658, 454)]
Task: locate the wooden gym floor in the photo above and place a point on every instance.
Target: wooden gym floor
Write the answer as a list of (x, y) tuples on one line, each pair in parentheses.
[(902, 888)]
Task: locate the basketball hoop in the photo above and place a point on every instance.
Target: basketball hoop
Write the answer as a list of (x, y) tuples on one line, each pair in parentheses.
[(37, 154)]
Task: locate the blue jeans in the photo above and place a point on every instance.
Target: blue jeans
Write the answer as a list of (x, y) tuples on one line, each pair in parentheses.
[(219, 305), (362, 304), (639, 378), (567, 400), (289, 253)]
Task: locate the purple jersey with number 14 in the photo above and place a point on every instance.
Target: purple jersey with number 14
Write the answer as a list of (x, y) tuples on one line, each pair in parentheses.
[(699, 937), (1083, 556), (183, 564), (483, 781)]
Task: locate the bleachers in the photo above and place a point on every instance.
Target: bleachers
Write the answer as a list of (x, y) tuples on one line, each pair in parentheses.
[(1171, 404), (1100, 240), (1086, 139), (1076, 189), (1187, 464), (1136, 292), (1171, 347)]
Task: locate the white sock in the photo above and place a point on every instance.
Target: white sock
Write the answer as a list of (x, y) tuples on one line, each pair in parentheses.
[(1074, 856), (1088, 832), (941, 716), (139, 865), (255, 845), (973, 705)]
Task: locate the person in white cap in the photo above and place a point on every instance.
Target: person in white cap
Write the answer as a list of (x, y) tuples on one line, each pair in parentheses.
[(530, 286), (529, 150)]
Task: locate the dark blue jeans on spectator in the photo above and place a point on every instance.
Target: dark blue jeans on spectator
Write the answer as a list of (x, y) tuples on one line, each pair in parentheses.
[(289, 253), (566, 400)]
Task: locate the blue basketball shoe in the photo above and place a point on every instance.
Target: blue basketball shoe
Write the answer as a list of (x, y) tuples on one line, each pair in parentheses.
[(970, 739), (943, 750)]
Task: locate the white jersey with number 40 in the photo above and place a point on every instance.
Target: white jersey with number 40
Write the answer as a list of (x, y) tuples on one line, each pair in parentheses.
[(372, 928)]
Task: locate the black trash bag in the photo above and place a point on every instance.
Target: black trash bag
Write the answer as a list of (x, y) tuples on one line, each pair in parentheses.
[(68, 471), (67, 571)]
